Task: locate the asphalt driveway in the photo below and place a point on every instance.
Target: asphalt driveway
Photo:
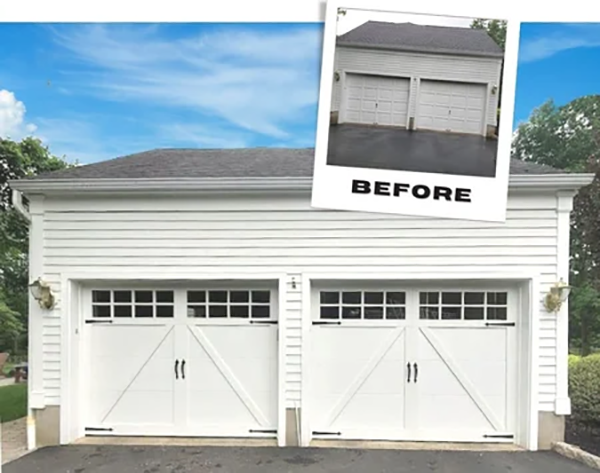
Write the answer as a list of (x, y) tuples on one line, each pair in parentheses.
[(129, 459), (417, 151)]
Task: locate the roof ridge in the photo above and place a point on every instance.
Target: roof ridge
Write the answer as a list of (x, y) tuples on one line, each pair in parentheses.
[(420, 25)]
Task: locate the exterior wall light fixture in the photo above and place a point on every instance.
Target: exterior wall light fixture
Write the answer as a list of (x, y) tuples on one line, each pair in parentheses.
[(556, 296), (41, 292)]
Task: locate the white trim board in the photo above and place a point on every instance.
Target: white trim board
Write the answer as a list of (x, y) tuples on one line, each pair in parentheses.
[(261, 184)]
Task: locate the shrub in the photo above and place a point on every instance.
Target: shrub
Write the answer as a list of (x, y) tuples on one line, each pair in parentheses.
[(573, 359), (584, 390)]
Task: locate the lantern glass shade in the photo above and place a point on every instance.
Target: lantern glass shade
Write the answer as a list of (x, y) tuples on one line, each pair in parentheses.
[(36, 290)]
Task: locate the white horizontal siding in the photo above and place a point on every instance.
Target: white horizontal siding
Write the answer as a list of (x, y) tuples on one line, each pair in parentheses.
[(417, 65), (286, 235)]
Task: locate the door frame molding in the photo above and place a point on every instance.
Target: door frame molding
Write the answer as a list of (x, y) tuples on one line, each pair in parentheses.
[(526, 431), (73, 328)]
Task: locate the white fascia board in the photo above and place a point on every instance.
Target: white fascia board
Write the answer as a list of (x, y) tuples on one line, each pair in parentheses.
[(232, 185)]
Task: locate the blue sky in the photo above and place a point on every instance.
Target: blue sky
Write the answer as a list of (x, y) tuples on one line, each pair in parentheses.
[(92, 91), (558, 61)]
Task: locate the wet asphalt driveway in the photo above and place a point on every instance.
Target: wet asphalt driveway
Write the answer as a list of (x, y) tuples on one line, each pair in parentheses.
[(417, 151), (130, 459)]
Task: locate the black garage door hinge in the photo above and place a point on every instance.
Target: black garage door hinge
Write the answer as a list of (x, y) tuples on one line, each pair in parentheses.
[(258, 431), (98, 429), (323, 322), (264, 322), (499, 324), (318, 432), (498, 436)]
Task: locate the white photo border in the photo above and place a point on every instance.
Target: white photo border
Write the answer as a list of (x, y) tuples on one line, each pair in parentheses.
[(332, 185)]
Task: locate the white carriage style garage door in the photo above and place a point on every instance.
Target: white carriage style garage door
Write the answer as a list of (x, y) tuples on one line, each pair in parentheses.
[(451, 106), (181, 362), (376, 100), (423, 365)]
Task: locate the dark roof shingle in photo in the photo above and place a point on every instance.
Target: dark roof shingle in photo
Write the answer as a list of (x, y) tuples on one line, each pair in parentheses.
[(422, 38)]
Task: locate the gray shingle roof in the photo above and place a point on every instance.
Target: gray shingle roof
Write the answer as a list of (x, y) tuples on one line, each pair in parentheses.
[(221, 163), (422, 38)]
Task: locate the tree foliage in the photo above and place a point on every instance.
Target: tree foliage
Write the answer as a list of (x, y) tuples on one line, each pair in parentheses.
[(497, 31), (495, 28), (26, 158), (568, 137)]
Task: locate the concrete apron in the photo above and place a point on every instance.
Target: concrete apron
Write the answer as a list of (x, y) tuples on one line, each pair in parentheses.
[(345, 444)]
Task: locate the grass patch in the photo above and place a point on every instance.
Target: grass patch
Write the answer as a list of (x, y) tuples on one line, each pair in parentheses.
[(13, 402)]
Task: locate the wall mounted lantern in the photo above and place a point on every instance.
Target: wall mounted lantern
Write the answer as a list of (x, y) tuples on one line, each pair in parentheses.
[(336, 76), (41, 292), (556, 296), (494, 89)]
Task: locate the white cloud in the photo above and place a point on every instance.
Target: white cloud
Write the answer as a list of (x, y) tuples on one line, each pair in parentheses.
[(259, 81), (355, 17), (12, 117), (561, 37)]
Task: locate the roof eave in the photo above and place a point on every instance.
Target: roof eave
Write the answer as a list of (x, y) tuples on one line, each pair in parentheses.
[(262, 184), (443, 52)]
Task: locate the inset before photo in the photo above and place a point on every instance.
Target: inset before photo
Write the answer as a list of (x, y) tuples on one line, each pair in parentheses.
[(416, 93)]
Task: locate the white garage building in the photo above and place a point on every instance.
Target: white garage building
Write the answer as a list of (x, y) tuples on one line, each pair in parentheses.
[(417, 76), (199, 295)]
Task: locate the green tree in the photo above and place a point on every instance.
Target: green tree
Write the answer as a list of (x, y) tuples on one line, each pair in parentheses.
[(497, 31), (28, 157), (495, 28), (568, 137)]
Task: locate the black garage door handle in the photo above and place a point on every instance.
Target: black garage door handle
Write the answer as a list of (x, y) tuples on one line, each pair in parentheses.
[(408, 367), (176, 367), (416, 371), (182, 369)]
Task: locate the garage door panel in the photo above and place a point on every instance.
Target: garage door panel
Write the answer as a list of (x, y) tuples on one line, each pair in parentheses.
[(221, 398), (369, 105), (458, 413), (451, 106), (361, 364), (140, 385), (372, 99), (123, 378), (152, 407), (384, 107), (460, 370), (369, 411), (443, 373), (233, 375), (354, 93)]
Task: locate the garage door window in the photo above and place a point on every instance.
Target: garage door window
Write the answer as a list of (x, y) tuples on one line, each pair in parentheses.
[(365, 305), (132, 303), (458, 305), (235, 304)]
